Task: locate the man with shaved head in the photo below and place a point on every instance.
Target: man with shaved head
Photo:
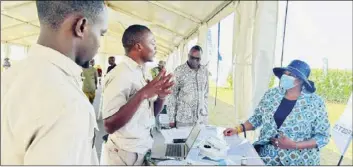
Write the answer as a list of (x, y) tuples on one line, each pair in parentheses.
[(46, 118)]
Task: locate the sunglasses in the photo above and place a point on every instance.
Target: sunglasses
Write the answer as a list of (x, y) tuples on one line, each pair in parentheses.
[(194, 58)]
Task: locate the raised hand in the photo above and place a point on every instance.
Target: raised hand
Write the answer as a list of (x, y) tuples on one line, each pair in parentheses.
[(158, 86)]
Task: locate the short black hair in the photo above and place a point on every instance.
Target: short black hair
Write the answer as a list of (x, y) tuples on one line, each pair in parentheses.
[(196, 47), (132, 35), (111, 57), (53, 13)]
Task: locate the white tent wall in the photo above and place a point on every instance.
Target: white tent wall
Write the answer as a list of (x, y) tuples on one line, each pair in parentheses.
[(184, 52), (202, 41), (171, 61), (255, 29), (255, 39), (201, 33), (6, 51), (254, 35), (264, 46), (242, 47), (177, 59), (102, 60)]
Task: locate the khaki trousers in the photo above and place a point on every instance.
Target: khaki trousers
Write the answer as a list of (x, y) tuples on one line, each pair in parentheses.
[(117, 156)]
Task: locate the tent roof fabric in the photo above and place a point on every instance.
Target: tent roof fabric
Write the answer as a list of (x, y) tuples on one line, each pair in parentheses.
[(170, 21)]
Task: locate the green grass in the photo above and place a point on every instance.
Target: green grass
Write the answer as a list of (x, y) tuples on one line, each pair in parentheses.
[(223, 114)]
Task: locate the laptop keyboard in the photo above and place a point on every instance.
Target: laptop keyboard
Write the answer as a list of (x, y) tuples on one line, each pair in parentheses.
[(173, 150)]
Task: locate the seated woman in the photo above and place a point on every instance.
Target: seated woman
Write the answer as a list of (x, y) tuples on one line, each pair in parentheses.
[(294, 120)]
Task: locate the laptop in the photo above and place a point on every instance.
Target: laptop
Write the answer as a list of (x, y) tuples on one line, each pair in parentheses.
[(176, 150)]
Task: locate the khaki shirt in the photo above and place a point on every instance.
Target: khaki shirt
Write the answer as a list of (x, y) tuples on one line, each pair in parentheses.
[(121, 84), (46, 119), (89, 76)]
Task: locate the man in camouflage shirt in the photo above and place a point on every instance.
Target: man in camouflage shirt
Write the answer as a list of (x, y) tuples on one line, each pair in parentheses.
[(188, 104), (155, 71)]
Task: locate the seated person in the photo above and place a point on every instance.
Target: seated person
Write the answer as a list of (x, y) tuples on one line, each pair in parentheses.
[(294, 120)]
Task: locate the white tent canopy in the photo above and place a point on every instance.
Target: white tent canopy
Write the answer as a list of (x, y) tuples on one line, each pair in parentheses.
[(170, 21), (174, 24)]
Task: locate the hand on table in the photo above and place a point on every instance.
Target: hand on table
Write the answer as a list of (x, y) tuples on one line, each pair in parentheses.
[(171, 125), (230, 132)]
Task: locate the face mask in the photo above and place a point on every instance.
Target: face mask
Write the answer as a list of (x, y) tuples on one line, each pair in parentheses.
[(287, 82)]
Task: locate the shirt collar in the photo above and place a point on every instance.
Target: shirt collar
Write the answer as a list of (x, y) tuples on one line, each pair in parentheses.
[(56, 58), (132, 63), (186, 65)]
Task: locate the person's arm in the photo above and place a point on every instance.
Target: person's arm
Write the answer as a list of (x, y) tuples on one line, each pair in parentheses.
[(158, 105), (206, 92), (124, 114), (96, 78), (320, 131), (63, 140), (321, 127), (117, 109), (306, 144), (172, 99), (253, 122)]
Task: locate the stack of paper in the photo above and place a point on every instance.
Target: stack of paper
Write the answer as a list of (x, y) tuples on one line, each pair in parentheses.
[(164, 119)]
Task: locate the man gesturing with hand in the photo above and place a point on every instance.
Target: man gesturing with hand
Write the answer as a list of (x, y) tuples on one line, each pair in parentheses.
[(131, 101)]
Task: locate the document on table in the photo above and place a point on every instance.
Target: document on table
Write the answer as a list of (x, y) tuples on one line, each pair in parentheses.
[(175, 133), (164, 119)]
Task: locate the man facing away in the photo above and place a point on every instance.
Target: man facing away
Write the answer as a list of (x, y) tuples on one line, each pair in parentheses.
[(130, 101), (7, 63), (47, 120), (111, 61), (188, 104), (90, 80)]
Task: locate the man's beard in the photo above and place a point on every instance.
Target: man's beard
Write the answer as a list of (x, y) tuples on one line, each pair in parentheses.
[(193, 65), (80, 62), (147, 59)]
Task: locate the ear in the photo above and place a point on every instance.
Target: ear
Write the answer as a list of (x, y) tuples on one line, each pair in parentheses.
[(139, 47), (80, 27)]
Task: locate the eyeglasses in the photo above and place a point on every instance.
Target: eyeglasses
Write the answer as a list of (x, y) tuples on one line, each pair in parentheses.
[(194, 58)]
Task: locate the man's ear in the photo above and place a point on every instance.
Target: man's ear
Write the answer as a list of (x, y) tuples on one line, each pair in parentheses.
[(139, 47), (80, 27)]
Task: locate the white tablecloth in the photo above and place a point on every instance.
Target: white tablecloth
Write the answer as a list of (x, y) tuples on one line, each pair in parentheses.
[(239, 147)]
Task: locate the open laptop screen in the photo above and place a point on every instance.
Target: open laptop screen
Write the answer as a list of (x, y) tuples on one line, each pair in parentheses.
[(192, 136)]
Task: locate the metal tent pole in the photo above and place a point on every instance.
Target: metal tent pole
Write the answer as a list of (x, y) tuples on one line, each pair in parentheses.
[(218, 55), (284, 32)]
